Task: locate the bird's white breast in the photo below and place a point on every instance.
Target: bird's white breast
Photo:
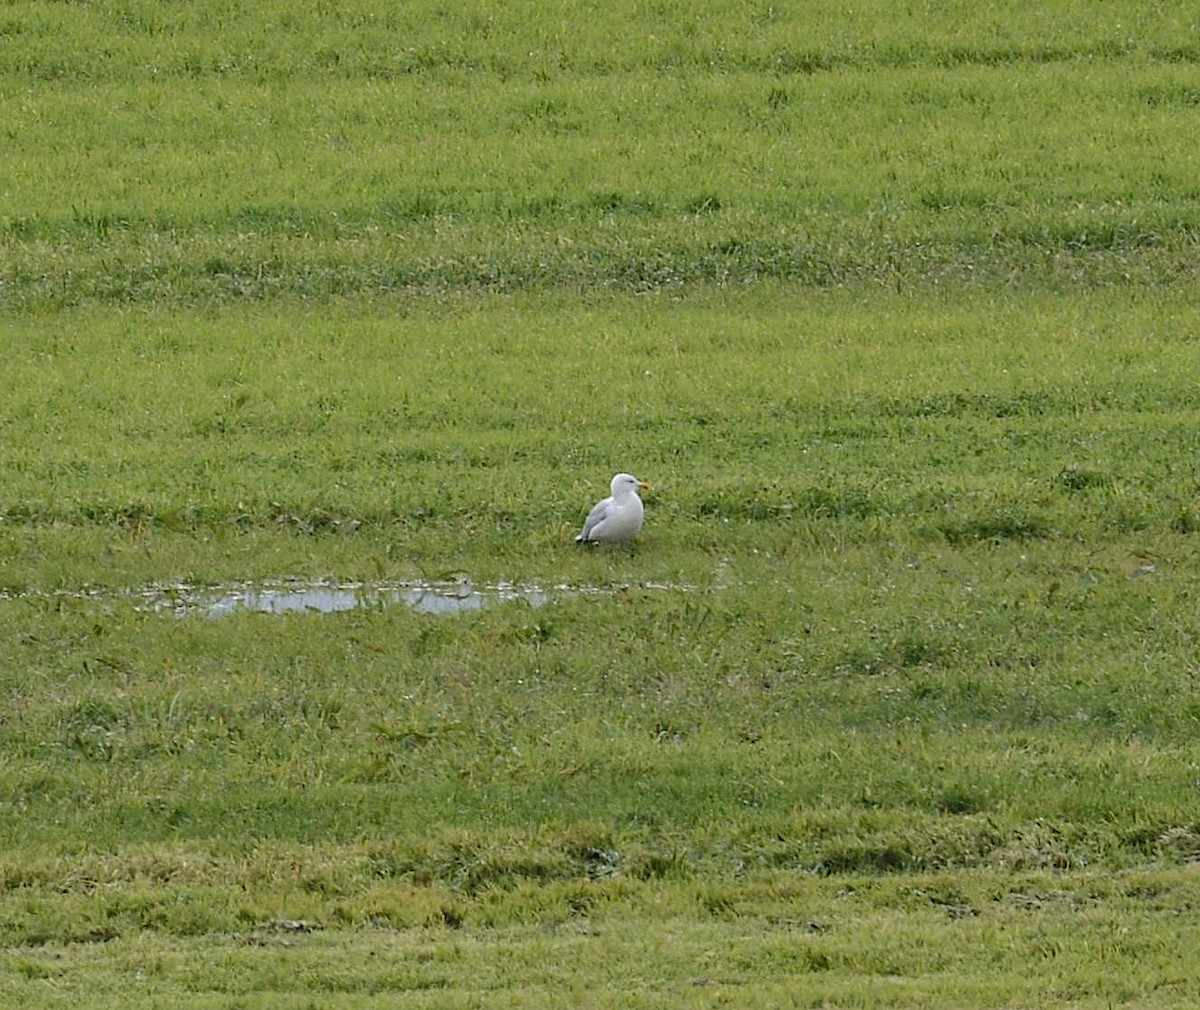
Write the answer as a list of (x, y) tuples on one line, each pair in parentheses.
[(624, 519)]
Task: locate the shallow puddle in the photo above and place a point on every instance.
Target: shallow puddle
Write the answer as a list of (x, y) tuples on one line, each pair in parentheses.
[(328, 598), (451, 597)]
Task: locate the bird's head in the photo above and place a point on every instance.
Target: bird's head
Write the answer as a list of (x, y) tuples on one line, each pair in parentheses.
[(627, 483)]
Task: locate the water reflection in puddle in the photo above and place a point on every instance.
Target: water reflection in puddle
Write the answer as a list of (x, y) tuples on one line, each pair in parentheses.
[(297, 596), (426, 598), (453, 597)]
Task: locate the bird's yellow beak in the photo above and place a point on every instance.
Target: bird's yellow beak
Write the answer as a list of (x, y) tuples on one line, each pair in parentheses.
[(644, 486)]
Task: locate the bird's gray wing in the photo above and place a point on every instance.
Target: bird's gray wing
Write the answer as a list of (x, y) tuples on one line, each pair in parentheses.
[(598, 514)]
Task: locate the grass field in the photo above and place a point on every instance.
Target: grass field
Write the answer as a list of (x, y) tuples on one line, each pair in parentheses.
[(893, 703)]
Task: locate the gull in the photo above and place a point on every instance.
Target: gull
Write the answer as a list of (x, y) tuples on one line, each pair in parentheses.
[(615, 519)]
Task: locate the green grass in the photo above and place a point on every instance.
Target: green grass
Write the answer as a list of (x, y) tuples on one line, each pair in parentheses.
[(894, 700), (1011, 939), (470, 436), (859, 942), (362, 152), (939, 629)]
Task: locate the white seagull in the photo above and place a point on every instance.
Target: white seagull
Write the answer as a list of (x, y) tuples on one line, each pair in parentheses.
[(617, 518)]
